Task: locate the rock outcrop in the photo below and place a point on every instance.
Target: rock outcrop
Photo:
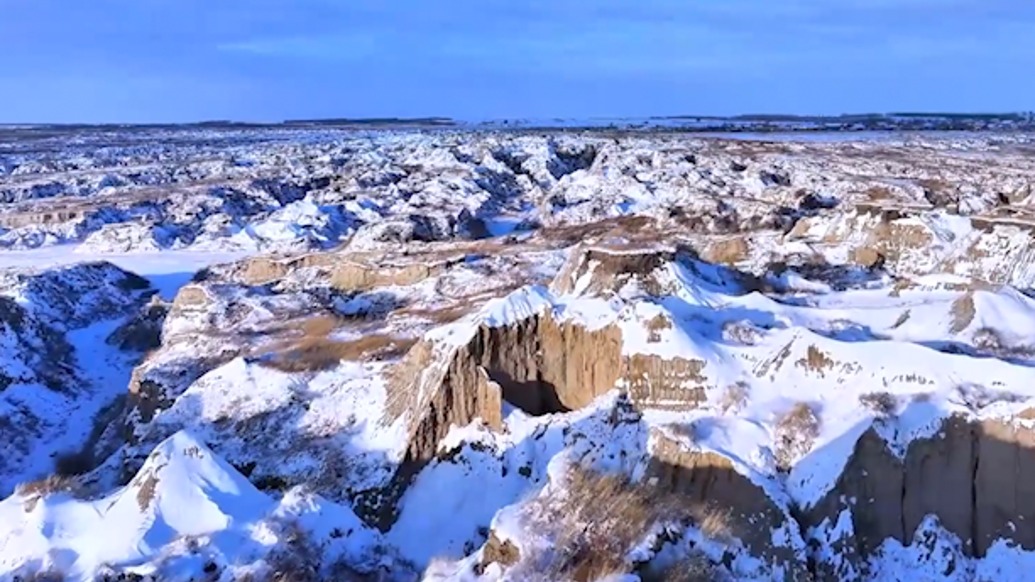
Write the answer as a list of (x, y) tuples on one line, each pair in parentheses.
[(75, 296), (537, 364), (974, 476)]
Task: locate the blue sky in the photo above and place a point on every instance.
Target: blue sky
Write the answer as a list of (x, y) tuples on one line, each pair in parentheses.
[(267, 60)]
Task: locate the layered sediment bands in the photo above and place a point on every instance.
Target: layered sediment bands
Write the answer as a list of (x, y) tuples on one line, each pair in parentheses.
[(359, 277), (610, 270), (727, 251), (261, 270), (341, 272), (996, 249), (190, 297), (725, 504), (604, 272), (890, 232), (976, 477), (669, 383)]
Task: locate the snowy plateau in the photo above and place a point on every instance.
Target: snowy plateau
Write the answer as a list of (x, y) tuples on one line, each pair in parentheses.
[(307, 353)]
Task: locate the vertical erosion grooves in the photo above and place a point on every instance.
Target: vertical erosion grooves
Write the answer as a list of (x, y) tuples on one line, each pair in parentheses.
[(977, 477)]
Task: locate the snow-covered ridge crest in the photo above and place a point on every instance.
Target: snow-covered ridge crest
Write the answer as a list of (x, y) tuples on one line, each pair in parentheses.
[(72, 296)]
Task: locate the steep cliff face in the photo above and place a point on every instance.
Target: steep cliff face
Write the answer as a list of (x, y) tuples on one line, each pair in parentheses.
[(726, 504), (536, 364), (544, 366), (973, 476)]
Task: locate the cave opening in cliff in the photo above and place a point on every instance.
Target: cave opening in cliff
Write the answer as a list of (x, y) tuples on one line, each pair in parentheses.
[(536, 397), (545, 367)]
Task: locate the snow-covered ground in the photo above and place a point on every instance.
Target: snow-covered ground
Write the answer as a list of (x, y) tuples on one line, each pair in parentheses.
[(511, 356)]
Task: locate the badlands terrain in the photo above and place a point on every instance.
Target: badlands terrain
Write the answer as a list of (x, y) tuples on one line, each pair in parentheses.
[(311, 353)]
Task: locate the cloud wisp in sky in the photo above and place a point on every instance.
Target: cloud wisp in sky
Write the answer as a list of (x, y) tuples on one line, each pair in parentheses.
[(124, 60)]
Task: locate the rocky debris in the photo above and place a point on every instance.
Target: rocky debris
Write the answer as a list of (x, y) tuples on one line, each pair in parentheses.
[(143, 331), (503, 553)]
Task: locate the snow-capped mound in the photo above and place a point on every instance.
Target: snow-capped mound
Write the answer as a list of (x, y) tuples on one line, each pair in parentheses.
[(583, 197), (184, 473), (183, 492), (123, 238), (301, 224), (256, 418)]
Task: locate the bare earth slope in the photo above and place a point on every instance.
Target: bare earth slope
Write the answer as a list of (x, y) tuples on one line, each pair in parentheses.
[(494, 356)]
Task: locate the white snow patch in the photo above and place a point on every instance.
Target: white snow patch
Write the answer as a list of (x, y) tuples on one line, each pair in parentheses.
[(166, 270)]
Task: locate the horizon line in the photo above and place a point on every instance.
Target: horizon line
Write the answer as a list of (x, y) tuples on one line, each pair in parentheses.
[(454, 121)]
